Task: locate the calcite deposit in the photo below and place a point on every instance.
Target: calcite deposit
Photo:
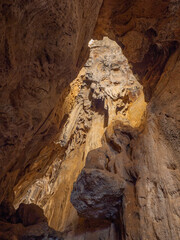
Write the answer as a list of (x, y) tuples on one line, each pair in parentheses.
[(148, 32), (39, 39), (106, 91), (60, 138)]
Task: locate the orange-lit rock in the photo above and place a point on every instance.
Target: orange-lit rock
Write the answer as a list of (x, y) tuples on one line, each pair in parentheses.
[(43, 46), (107, 92), (48, 127)]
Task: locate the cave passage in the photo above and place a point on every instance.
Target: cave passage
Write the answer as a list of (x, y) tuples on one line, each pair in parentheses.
[(93, 155), (104, 108)]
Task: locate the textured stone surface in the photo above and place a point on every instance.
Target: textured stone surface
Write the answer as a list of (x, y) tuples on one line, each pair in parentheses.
[(101, 99), (27, 222), (30, 214), (97, 194), (43, 46), (156, 155), (148, 32), (148, 161)]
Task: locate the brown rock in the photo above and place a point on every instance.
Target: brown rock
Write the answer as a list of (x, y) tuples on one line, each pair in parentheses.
[(7, 210), (40, 40), (96, 159), (43, 45), (148, 32), (97, 194), (30, 214), (82, 131)]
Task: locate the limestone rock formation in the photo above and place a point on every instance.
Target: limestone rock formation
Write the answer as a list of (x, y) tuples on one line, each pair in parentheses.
[(102, 97), (97, 194), (27, 222), (147, 31), (149, 165), (48, 127), (40, 42)]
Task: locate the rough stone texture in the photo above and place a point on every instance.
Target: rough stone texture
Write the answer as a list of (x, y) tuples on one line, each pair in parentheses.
[(147, 31), (99, 188), (36, 60), (108, 193), (102, 97), (156, 155), (27, 222), (30, 214), (97, 194), (43, 46), (149, 166)]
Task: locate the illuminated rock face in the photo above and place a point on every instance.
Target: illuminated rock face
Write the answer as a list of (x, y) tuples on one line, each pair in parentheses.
[(40, 41), (47, 129), (148, 167), (104, 95), (147, 31)]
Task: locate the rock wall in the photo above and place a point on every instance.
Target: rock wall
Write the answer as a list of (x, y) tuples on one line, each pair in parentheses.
[(108, 92), (43, 46), (147, 31), (133, 179)]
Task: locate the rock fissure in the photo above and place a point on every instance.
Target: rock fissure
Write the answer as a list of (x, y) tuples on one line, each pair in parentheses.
[(94, 131)]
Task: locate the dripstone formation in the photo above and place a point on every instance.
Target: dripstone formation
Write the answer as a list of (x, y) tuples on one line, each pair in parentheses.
[(107, 94), (62, 123)]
